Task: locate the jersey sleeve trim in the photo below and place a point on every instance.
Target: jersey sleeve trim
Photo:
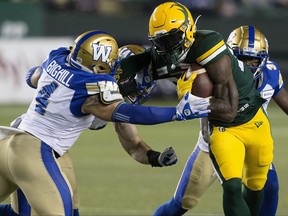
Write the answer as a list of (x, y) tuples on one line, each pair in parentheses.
[(92, 88), (211, 53)]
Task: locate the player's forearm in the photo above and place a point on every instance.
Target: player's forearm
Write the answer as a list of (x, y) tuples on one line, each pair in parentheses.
[(131, 142), (221, 111), (224, 104), (140, 152), (143, 115)]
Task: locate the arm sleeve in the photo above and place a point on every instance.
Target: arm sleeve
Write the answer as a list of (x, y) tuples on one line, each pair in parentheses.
[(29, 75), (144, 115)]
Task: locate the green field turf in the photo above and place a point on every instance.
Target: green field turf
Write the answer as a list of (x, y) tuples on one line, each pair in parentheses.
[(111, 183)]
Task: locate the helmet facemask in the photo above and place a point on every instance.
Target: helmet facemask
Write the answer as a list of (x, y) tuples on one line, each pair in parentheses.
[(168, 42), (256, 68)]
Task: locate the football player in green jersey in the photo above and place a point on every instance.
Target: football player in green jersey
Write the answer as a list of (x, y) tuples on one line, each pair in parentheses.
[(241, 146)]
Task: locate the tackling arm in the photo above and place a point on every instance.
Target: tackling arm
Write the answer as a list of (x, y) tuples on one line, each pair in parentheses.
[(189, 107), (139, 150), (131, 142), (224, 104)]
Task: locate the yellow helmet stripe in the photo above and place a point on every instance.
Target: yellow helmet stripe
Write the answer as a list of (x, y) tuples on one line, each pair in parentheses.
[(211, 53)]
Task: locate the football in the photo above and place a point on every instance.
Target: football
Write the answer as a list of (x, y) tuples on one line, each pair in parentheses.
[(202, 85)]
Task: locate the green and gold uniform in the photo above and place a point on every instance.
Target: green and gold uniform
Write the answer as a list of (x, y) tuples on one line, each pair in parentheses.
[(240, 149)]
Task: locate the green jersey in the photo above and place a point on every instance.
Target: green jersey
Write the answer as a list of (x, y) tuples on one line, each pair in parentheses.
[(208, 47)]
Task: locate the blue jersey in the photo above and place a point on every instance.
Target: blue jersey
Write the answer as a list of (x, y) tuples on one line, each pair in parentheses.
[(55, 115), (270, 82)]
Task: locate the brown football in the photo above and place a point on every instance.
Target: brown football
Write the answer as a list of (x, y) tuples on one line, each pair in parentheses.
[(202, 85)]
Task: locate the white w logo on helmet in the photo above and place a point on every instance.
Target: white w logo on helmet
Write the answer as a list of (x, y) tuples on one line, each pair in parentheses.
[(101, 52)]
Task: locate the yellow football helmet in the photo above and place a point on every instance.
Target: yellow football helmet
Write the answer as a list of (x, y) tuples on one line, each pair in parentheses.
[(250, 43), (171, 26), (94, 51)]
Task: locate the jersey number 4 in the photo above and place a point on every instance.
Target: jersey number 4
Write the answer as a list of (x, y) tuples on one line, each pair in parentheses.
[(42, 97)]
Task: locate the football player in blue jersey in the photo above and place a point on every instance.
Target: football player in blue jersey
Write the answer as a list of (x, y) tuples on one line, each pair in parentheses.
[(74, 87), (19, 202), (236, 108), (250, 45)]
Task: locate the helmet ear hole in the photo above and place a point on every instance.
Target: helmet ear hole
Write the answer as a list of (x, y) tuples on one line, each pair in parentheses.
[(101, 68)]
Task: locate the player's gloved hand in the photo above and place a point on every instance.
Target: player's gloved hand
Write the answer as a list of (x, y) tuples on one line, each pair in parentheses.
[(167, 158), (191, 107), (145, 85)]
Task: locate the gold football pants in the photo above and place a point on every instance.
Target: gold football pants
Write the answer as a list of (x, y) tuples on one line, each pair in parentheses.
[(244, 151), (19, 202), (29, 164)]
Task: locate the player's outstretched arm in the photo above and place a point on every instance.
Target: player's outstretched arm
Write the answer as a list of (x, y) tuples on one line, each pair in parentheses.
[(189, 107), (139, 150)]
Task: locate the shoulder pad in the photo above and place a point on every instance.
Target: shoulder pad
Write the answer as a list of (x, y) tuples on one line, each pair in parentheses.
[(109, 97)]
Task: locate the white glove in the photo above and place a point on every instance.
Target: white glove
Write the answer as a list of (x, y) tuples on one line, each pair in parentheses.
[(168, 157), (191, 107)]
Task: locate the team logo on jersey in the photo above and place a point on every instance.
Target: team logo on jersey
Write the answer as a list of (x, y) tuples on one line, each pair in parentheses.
[(258, 124), (222, 129), (101, 52)]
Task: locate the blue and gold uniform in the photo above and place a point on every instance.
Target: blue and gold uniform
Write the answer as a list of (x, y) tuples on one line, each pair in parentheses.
[(55, 127), (76, 85)]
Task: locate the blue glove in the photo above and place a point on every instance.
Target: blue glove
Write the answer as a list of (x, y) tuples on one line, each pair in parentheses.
[(145, 85), (191, 107)]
